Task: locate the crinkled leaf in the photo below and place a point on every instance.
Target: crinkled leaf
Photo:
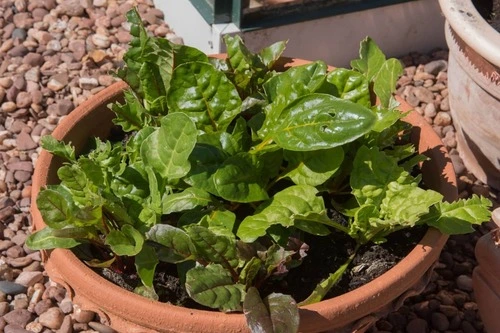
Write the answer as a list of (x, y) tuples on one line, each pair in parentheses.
[(44, 239), (55, 208), (214, 248), (214, 287), (190, 198), (313, 167), (145, 264), (385, 81), (459, 216), (405, 204), (371, 58), (125, 242), (58, 148), (280, 209), (168, 148), (131, 115), (319, 121), (277, 260), (74, 178), (133, 146), (350, 85), (239, 179), (92, 170), (372, 172), (204, 94), (246, 66), (177, 242)]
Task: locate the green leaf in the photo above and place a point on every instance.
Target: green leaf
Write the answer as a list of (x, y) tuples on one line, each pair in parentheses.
[(257, 313), (152, 82), (277, 313), (250, 271), (371, 58), (214, 248), (247, 66), (177, 242), (319, 121), (131, 115), (284, 313), (125, 242), (205, 161), (238, 141), (405, 204), (313, 167), (74, 178), (44, 240), (281, 209), (145, 264), (54, 208), (147, 292), (204, 94), (272, 53), (350, 85), (459, 216), (288, 86), (219, 218), (324, 286), (239, 179), (184, 54), (298, 81), (277, 260), (372, 172), (213, 286), (190, 198), (385, 80), (58, 148), (168, 148)]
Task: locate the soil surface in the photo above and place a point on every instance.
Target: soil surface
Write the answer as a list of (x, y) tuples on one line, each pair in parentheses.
[(325, 256)]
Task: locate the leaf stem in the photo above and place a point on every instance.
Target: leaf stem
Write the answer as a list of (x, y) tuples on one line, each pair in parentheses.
[(261, 145)]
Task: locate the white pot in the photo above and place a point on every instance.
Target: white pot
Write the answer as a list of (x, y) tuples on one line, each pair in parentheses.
[(474, 88)]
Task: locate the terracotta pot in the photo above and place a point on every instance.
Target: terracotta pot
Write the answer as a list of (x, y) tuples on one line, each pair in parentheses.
[(486, 279), (128, 312), (474, 88)]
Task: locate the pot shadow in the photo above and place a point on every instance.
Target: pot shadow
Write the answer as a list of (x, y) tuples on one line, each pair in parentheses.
[(481, 162)]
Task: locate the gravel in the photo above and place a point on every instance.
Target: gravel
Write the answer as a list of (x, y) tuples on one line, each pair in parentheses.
[(56, 54)]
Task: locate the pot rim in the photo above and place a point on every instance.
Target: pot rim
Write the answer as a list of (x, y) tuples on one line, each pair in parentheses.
[(471, 27), (379, 292)]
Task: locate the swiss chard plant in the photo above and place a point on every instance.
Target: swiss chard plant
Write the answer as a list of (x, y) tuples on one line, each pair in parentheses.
[(227, 163)]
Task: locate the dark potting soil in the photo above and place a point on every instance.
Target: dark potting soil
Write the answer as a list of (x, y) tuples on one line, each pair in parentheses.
[(325, 255), (490, 11)]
